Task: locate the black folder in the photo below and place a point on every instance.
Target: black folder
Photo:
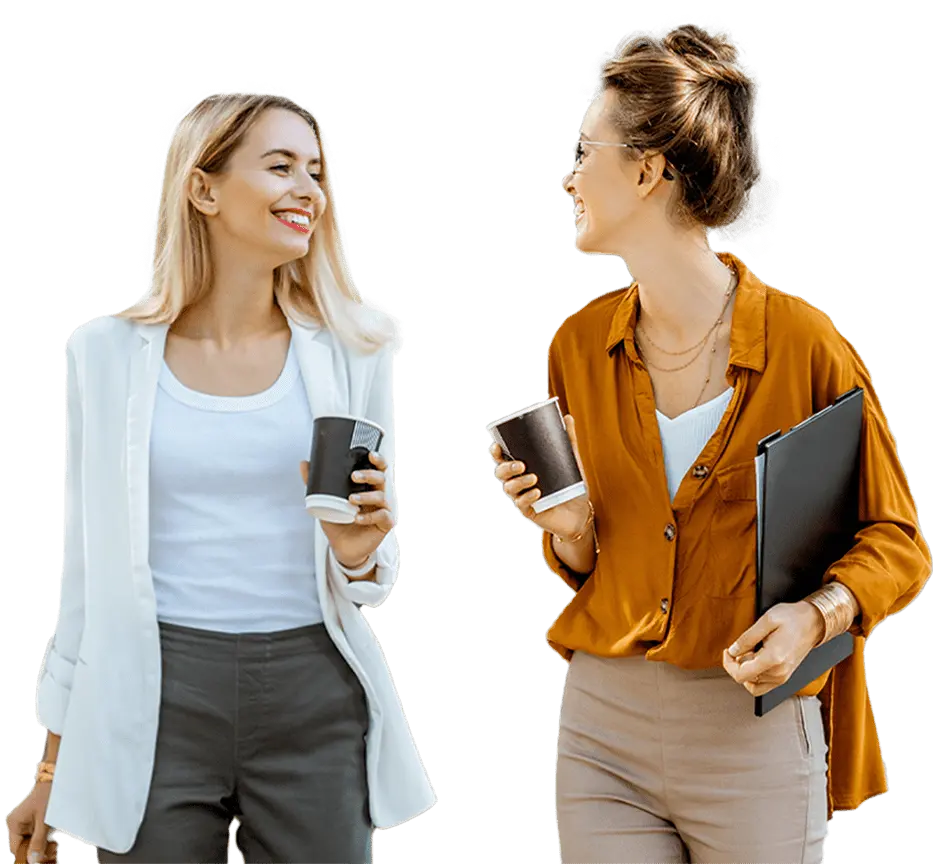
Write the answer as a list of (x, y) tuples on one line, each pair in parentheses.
[(807, 519)]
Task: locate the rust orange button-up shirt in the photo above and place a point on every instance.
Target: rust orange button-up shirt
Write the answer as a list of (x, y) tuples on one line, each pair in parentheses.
[(674, 579)]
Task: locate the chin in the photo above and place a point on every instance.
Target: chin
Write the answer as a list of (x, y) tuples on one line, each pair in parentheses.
[(584, 241)]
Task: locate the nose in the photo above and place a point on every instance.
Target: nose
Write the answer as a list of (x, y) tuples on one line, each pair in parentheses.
[(310, 195), (308, 187), (568, 183)]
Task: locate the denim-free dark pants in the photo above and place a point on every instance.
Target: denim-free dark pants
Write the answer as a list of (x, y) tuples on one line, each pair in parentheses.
[(266, 728)]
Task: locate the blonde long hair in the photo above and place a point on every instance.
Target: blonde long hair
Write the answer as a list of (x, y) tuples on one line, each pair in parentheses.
[(315, 289)]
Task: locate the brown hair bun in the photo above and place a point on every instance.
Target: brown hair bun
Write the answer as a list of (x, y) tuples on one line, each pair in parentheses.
[(686, 97)]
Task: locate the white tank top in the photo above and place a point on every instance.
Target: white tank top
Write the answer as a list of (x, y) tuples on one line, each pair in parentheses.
[(232, 545), (685, 436)]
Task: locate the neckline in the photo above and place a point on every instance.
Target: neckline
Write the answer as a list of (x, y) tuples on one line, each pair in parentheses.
[(251, 401), (710, 403)]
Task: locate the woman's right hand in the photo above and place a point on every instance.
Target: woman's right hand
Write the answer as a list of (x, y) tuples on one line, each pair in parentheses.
[(565, 519), (28, 818)]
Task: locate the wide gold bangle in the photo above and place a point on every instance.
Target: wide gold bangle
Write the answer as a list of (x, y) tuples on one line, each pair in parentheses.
[(591, 524), (45, 771), (835, 604)]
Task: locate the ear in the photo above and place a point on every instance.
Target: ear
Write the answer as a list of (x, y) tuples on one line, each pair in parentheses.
[(201, 193), (651, 168)]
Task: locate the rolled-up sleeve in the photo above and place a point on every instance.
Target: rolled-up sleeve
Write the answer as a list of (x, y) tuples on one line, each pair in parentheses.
[(58, 666), (373, 592), (555, 387), (890, 561)]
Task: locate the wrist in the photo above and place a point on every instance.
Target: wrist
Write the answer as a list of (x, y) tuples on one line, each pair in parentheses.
[(818, 622), (836, 606), (360, 568), (581, 529), (355, 565), (588, 525)]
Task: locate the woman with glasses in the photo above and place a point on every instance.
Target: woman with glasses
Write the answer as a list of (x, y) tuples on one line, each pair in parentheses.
[(668, 385)]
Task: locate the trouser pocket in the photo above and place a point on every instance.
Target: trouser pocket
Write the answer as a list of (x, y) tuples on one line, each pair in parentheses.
[(805, 744)]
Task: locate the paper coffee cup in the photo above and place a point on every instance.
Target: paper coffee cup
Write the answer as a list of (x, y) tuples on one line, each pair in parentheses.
[(537, 436), (340, 445)]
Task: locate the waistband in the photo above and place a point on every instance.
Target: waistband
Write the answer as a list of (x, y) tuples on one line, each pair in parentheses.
[(293, 640), (640, 665)]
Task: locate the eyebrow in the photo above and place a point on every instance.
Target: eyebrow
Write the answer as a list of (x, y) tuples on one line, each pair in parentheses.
[(282, 151), (584, 135)]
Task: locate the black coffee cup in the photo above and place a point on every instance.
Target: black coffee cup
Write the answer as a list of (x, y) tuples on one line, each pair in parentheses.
[(537, 436), (340, 445)]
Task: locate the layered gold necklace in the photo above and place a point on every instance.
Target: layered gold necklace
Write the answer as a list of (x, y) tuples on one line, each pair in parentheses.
[(715, 328)]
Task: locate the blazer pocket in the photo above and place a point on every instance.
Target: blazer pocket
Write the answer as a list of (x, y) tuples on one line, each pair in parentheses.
[(732, 539)]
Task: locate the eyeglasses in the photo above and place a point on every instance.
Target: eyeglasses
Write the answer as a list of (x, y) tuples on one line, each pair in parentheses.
[(580, 153)]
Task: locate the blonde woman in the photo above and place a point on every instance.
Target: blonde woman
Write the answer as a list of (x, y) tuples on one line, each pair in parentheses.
[(668, 385), (211, 661)]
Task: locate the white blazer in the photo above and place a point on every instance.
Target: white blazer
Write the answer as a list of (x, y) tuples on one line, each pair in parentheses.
[(100, 681)]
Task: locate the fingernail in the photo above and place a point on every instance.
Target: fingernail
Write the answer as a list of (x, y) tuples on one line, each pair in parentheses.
[(358, 475), (732, 650), (34, 857)]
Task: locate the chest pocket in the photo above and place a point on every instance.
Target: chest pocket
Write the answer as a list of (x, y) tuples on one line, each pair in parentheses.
[(732, 540)]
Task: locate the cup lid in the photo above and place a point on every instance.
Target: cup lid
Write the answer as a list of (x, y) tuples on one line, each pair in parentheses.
[(522, 412)]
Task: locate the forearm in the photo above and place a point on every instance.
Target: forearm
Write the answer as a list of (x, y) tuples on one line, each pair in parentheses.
[(51, 753)]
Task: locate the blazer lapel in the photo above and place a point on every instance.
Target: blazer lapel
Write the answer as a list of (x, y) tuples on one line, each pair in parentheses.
[(328, 393), (144, 369), (317, 364)]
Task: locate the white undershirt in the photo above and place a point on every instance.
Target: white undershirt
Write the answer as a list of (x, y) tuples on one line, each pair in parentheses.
[(231, 543), (685, 436)]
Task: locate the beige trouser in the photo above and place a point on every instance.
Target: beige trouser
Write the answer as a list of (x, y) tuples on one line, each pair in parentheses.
[(661, 764)]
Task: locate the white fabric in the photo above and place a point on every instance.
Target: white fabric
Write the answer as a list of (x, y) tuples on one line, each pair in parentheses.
[(100, 681), (685, 436), (230, 545)]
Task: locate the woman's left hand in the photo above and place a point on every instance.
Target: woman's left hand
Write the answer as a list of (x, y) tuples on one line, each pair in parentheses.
[(353, 543), (789, 632)]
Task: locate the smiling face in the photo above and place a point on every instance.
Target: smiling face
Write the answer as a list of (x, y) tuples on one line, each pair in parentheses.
[(276, 168), (611, 192)]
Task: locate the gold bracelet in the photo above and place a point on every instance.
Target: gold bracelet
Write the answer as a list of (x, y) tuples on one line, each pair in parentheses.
[(590, 523), (835, 605), (45, 771)]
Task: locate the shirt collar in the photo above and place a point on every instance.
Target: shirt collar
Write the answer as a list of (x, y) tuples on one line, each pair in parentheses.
[(748, 324)]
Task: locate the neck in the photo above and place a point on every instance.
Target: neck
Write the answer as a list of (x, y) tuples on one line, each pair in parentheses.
[(681, 290), (240, 306)]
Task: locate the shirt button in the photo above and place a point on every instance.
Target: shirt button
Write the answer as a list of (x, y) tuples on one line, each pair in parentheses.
[(700, 471), (669, 532), (665, 604)]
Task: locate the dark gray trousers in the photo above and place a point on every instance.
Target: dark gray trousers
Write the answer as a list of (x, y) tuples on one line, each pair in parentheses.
[(267, 728)]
